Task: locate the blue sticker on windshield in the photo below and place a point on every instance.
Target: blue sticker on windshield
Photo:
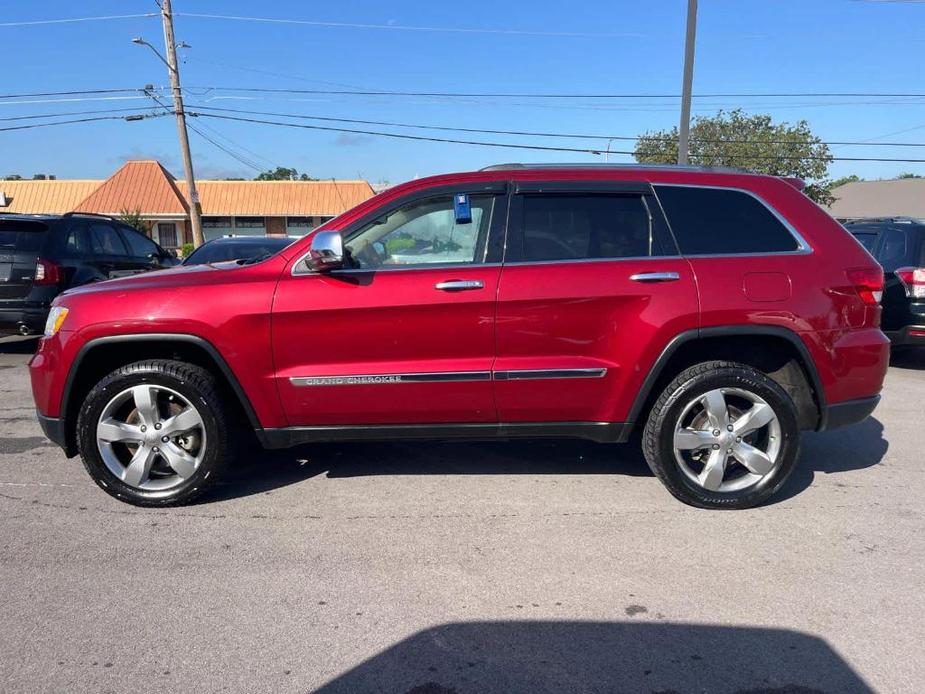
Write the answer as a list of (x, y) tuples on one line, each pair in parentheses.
[(462, 209)]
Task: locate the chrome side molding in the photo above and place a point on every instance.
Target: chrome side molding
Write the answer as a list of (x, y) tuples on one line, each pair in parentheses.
[(446, 377)]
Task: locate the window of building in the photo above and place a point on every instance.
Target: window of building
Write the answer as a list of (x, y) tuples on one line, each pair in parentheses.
[(167, 233), (718, 221), (249, 223)]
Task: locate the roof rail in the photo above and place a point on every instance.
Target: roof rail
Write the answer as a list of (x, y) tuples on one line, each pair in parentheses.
[(89, 214), (601, 165), (899, 219)]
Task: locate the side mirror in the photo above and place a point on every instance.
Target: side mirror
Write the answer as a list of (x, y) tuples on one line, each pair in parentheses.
[(326, 252)]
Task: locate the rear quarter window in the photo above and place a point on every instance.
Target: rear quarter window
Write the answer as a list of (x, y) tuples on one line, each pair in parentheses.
[(719, 221)]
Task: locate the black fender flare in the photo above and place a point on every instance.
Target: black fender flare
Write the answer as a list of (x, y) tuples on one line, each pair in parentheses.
[(204, 344), (723, 331)]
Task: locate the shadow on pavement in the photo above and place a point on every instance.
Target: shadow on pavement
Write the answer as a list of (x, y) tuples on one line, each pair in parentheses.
[(18, 345), (912, 358), (853, 448), (258, 470), (842, 450), (558, 656)]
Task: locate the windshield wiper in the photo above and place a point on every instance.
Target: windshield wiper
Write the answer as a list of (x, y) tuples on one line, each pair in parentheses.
[(254, 259)]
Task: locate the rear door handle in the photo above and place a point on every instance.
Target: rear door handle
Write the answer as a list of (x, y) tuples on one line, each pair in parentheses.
[(655, 277), (459, 285)]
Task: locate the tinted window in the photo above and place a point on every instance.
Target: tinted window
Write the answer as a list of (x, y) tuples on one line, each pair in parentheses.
[(867, 239), (582, 226), (713, 221), (78, 241), (105, 241), (140, 246), (21, 236), (235, 250), (423, 232), (894, 252)]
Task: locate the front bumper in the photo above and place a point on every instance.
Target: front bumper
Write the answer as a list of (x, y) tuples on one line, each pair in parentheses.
[(842, 414)]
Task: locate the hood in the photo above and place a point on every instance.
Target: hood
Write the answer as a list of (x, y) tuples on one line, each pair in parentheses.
[(178, 276)]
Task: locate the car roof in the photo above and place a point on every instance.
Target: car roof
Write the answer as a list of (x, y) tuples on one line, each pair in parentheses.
[(250, 239)]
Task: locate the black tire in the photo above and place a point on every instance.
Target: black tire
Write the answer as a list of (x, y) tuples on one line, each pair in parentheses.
[(691, 384), (193, 383)]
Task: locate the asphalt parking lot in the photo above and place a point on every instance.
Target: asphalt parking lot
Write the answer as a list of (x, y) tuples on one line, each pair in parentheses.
[(437, 568)]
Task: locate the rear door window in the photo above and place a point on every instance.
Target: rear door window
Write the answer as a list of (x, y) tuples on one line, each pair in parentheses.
[(105, 240), (584, 227), (723, 221)]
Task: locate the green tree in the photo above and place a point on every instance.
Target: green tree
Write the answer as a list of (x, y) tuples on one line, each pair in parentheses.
[(753, 142), (281, 173), (909, 175), (851, 178), (134, 220)]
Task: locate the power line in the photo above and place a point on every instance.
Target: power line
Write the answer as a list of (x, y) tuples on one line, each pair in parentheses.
[(70, 93), (401, 136), (577, 136), (233, 155), (35, 116), (69, 20), (134, 117), (528, 147), (552, 95), (405, 27)]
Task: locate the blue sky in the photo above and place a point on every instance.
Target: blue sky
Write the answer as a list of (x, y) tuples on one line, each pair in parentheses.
[(742, 46)]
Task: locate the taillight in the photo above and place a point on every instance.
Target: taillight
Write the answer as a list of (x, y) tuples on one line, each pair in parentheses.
[(913, 279), (868, 283), (46, 272)]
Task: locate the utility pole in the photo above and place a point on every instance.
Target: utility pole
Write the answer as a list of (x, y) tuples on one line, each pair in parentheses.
[(195, 209), (685, 129)]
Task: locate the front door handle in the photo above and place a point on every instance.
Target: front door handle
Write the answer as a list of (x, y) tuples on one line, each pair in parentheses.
[(459, 285), (655, 277)]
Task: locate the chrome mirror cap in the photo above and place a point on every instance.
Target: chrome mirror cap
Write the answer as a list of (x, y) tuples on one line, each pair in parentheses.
[(327, 251)]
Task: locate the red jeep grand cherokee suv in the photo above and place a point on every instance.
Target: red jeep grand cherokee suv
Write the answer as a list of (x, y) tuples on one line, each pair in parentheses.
[(720, 312)]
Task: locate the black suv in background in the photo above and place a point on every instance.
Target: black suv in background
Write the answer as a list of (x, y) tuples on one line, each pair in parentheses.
[(42, 255), (898, 244)]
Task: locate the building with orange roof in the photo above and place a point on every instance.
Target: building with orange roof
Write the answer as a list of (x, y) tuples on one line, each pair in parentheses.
[(145, 187)]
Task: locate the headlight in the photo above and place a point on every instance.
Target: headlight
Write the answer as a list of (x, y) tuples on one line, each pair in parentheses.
[(55, 318)]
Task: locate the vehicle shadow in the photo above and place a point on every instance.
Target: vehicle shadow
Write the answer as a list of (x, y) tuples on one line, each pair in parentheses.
[(574, 656), (258, 471), (912, 358), (852, 448), (16, 344)]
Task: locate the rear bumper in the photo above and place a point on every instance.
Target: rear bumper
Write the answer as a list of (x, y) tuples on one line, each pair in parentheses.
[(842, 414), (54, 430), (13, 319), (909, 336)]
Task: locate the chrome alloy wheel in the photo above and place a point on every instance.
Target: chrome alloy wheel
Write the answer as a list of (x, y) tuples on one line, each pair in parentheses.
[(727, 440), (151, 437)]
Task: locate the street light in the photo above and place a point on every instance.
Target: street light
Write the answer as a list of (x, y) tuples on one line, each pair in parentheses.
[(141, 42)]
